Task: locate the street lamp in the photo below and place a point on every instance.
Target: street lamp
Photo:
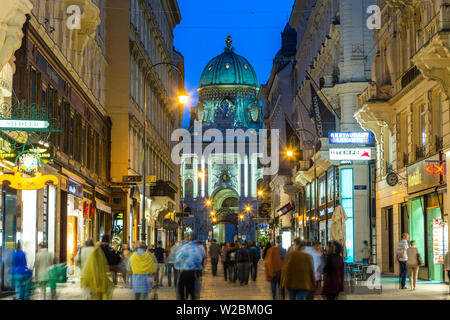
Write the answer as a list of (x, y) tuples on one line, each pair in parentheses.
[(183, 99)]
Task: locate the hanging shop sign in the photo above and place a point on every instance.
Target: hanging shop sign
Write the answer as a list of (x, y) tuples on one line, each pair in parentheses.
[(349, 137), (23, 125), (350, 154), (284, 210), (419, 176)]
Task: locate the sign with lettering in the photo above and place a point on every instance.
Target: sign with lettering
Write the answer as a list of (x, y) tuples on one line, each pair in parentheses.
[(349, 137), (418, 177), (350, 154), (23, 124)]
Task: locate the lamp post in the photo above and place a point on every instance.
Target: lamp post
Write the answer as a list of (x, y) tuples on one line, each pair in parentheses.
[(182, 99)]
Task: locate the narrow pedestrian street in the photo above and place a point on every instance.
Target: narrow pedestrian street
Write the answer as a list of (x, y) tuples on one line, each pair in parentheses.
[(215, 288)]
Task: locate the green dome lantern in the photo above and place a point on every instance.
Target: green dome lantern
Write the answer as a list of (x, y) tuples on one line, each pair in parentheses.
[(229, 68)]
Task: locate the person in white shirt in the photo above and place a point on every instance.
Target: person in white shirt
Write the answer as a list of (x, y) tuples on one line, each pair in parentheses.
[(402, 259)]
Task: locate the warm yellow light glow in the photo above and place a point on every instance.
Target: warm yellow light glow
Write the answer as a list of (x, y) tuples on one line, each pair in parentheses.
[(248, 209), (208, 202), (200, 174), (289, 153), (184, 99), (260, 193), (214, 219), (241, 217), (213, 213)]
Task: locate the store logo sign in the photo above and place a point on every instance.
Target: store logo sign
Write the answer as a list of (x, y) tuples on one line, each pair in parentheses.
[(435, 168), (349, 137), (350, 154)]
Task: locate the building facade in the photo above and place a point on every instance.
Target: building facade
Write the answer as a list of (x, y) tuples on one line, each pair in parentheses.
[(59, 76), (331, 68), (148, 27), (407, 109), (219, 186)]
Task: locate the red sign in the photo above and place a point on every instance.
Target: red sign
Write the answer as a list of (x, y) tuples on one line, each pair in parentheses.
[(92, 210), (436, 168)]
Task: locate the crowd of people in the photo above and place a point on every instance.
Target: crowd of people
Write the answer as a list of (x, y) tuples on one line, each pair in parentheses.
[(305, 271)]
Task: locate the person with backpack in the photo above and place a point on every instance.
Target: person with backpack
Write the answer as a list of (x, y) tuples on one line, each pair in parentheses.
[(243, 262), (255, 255)]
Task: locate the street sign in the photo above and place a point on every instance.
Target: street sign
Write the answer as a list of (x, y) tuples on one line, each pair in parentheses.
[(132, 179), (11, 124)]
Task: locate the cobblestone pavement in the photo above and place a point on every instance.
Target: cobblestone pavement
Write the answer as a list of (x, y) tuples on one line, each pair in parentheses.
[(215, 288)]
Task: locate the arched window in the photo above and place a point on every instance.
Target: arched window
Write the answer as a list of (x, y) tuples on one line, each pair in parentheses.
[(188, 188)]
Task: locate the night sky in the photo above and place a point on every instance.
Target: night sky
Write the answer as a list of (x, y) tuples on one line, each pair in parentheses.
[(255, 26)]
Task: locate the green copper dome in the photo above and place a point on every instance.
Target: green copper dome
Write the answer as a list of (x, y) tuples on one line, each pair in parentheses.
[(229, 68)]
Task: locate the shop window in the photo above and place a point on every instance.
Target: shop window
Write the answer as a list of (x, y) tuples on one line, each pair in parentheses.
[(308, 197), (416, 224), (188, 188), (322, 190), (330, 185)]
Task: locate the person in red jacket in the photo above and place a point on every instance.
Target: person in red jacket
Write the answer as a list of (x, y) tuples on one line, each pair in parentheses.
[(334, 273)]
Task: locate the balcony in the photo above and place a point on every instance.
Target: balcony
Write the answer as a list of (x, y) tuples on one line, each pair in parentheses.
[(375, 92), (409, 76), (420, 152)]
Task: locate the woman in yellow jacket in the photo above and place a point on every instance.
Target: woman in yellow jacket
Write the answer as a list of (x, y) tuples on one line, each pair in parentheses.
[(142, 264)]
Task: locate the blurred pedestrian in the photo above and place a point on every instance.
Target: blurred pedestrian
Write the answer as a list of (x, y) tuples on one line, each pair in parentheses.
[(414, 262), (44, 260), (112, 257), (142, 264), (94, 276), (231, 261), (188, 261), (273, 265), (19, 273), (365, 252), (334, 273), (255, 256), (223, 258), (81, 259), (160, 254), (243, 262), (297, 275), (214, 253), (237, 246), (171, 259), (402, 259), (266, 248), (125, 256)]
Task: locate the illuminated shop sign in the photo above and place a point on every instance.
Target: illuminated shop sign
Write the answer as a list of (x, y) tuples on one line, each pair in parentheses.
[(425, 174), (350, 154), (349, 137), (24, 124)]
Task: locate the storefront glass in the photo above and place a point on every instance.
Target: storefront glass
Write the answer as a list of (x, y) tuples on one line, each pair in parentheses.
[(347, 205), (29, 236), (8, 232)]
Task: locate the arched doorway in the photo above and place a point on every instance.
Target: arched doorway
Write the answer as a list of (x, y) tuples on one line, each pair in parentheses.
[(226, 205)]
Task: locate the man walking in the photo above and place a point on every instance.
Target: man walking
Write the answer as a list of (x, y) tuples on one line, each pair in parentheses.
[(171, 265), (255, 255), (243, 263), (160, 255), (188, 261), (273, 264), (214, 253), (402, 259), (111, 256)]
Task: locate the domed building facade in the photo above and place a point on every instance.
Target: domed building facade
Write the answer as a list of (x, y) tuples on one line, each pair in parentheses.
[(220, 188)]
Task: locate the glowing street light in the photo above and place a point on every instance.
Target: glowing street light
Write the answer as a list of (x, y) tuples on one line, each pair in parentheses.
[(208, 202), (213, 213), (260, 193), (248, 209), (201, 174), (289, 153), (241, 217), (183, 98), (214, 220)]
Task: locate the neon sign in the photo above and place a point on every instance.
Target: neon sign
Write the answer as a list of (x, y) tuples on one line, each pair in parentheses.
[(349, 137), (436, 168)]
